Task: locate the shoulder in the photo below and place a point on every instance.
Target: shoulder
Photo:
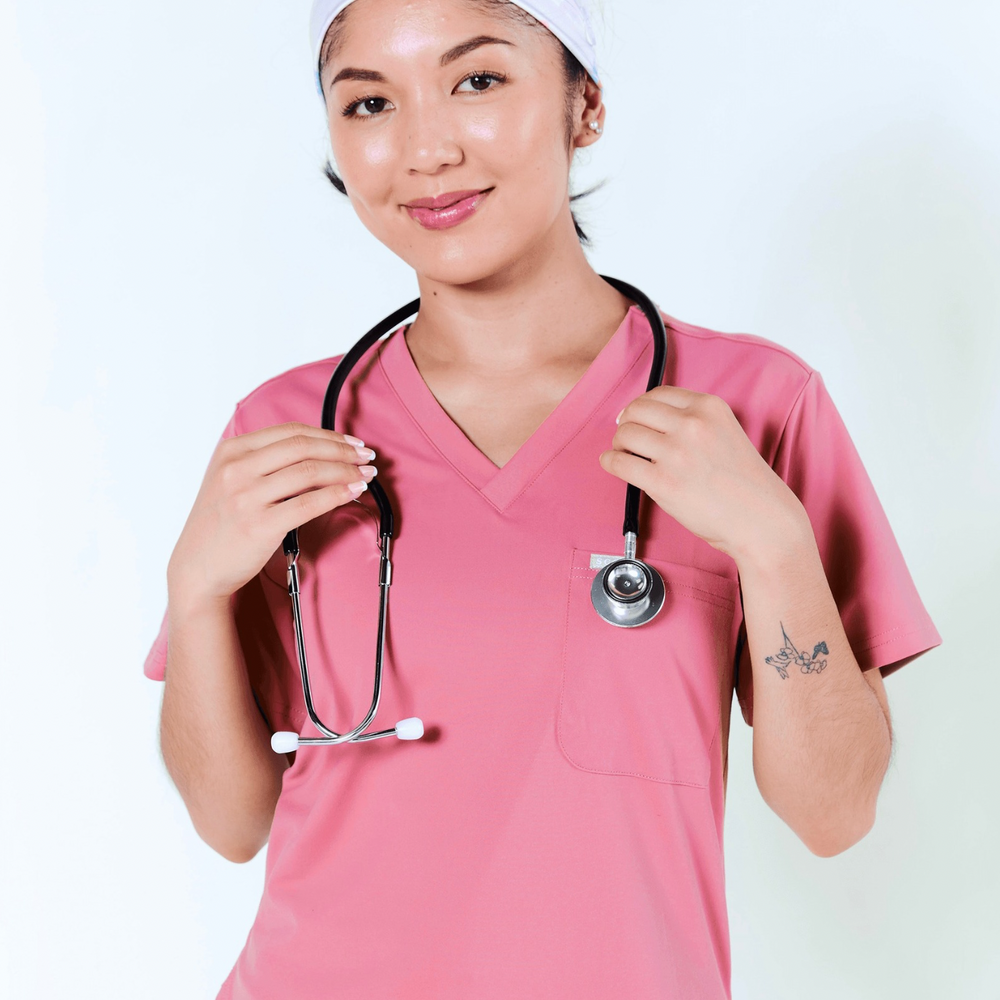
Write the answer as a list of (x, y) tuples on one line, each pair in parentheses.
[(705, 346), (760, 379), (745, 368), (294, 395)]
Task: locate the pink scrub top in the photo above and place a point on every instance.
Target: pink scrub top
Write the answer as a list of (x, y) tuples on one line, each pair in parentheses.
[(558, 831)]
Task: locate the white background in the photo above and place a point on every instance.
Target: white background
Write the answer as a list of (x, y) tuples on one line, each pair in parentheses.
[(823, 175)]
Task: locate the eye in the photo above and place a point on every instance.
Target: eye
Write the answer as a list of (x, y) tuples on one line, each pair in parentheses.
[(366, 107), (372, 106), (481, 81)]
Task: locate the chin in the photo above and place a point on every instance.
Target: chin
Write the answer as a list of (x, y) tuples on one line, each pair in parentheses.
[(482, 258), (475, 251), (469, 271)]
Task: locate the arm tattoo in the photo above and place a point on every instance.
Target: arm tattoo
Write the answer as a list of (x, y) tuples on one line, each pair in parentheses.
[(789, 654)]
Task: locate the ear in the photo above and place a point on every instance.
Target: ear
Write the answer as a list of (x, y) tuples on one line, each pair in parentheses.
[(590, 108)]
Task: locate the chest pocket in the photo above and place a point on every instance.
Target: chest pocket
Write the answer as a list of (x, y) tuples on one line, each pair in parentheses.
[(646, 701)]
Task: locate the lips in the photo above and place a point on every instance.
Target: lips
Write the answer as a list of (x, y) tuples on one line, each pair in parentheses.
[(443, 200), (452, 213)]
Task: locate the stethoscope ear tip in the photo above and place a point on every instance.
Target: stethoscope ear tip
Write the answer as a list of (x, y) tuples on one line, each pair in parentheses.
[(410, 729), (285, 742)]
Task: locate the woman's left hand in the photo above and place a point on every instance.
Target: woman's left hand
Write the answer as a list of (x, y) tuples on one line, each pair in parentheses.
[(687, 451)]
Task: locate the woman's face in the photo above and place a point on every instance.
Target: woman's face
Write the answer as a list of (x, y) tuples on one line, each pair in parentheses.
[(420, 106)]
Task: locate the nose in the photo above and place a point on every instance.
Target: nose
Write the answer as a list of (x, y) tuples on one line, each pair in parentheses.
[(431, 138)]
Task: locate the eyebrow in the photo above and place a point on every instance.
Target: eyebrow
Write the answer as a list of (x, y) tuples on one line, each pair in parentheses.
[(350, 73)]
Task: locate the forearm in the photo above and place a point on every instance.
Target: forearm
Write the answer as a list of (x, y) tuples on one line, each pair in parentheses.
[(821, 741), (215, 743)]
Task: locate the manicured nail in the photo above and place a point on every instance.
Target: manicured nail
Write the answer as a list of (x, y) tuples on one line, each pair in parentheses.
[(366, 453), (619, 415), (368, 471), (357, 488), (357, 442)]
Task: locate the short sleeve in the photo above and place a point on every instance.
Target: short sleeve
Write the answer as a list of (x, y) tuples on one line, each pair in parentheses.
[(156, 659), (884, 618)]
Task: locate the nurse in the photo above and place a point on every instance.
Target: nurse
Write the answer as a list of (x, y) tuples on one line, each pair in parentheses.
[(558, 830)]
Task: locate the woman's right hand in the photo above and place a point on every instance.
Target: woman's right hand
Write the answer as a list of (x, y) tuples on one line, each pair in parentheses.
[(258, 487)]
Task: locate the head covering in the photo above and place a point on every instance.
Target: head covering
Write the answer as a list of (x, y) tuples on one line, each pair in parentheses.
[(566, 19)]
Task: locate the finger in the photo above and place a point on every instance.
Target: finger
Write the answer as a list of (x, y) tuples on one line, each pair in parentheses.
[(639, 440), (255, 440), (312, 474), (629, 468), (297, 510), (675, 395), (654, 413), (302, 447)]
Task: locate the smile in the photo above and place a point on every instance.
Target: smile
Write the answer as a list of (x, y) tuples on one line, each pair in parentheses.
[(453, 215)]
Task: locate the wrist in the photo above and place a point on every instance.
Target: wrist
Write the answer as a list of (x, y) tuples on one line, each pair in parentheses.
[(188, 601), (781, 537)]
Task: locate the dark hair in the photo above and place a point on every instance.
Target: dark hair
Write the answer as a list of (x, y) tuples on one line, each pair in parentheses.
[(574, 72)]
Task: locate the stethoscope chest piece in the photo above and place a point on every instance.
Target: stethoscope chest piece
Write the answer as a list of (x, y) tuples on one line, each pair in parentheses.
[(627, 593)]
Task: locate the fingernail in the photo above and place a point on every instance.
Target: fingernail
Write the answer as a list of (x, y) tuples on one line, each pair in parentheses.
[(366, 453), (357, 488), (619, 415), (368, 471), (357, 442)]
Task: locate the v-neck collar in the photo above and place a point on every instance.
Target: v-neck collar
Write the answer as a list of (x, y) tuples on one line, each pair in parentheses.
[(502, 485)]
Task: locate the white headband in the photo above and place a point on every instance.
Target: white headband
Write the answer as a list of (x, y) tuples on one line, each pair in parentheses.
[(566, 19)]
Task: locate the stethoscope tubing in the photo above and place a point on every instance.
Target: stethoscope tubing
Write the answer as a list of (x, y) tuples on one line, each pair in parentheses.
[(283, 742)]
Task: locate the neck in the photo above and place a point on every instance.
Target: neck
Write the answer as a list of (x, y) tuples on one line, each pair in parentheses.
[(549, 308)]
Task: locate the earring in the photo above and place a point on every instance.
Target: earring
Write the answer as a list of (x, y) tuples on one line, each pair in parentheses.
[(596, 127)]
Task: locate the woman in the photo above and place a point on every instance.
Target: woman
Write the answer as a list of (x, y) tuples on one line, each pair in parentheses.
[(557, 831)]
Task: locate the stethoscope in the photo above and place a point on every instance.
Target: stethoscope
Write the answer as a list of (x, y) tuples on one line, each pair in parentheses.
[(626, 593)]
